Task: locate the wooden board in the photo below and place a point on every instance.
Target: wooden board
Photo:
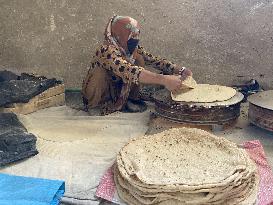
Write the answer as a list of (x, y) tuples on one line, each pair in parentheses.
[(35, 105), (59, 89), (52, 97)]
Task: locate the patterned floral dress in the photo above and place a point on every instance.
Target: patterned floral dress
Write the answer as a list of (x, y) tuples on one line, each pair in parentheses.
[(112, 80)]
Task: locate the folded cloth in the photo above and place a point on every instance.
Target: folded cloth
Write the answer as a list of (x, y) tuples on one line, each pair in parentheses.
[(17, 190), (107, 188), (7, 76), (256, 153), (15, 142)]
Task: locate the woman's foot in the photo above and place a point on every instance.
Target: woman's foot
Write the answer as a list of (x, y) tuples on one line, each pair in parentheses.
[(135, 106)]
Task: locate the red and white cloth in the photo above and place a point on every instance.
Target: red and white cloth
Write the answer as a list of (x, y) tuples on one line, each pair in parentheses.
[(257, 154), (107, 188)]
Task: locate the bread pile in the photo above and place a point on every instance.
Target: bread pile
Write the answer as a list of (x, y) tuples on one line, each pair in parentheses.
[(185, 166)]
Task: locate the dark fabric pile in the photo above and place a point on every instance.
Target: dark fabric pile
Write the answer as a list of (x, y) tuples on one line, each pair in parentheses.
[(15, 142), (248, 88), (20, 89)]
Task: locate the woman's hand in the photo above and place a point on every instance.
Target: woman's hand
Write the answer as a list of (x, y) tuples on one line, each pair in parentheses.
[(184, 73), (172, 82)]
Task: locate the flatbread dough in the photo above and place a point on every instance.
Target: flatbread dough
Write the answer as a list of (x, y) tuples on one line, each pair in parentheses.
[(205, 93), (189, 82)]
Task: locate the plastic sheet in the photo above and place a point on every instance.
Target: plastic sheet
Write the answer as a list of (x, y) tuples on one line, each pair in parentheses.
[(20, 89)]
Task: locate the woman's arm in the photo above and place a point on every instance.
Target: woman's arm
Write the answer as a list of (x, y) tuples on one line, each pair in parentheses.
[(171, 82), (166, 67), (110, 58), (113, 61)]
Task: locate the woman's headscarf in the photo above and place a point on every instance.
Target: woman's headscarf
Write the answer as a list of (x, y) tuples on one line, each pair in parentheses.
[(119, 30)]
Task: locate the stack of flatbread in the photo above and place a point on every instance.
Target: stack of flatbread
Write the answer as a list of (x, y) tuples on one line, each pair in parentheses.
[(185, 166)]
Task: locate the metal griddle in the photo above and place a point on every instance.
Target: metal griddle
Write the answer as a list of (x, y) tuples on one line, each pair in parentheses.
[(260, 112), (197, 113)]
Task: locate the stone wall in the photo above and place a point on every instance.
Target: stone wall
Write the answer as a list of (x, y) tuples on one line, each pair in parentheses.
[(223, 42)]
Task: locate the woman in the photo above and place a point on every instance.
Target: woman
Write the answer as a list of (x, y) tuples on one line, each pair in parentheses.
[(117, 69)]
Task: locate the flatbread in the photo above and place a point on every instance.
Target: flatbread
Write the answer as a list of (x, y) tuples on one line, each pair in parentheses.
[(164, 159), (159, 196), (205, 93), (185, 166), (189, 82), (231, 180), (246, 196)]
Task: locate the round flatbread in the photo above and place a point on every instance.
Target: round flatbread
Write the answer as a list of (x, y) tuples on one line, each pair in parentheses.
[(205, 93), (246, 195), (167, 158), (185, 166)]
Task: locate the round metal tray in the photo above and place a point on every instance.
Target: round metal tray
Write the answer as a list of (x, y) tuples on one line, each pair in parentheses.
[(260, 112), (262, 99)]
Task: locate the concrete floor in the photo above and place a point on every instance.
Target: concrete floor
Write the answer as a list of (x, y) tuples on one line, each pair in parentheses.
[(241, 132)]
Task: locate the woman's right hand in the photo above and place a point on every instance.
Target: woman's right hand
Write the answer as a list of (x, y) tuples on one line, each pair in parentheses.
[(172, 82)]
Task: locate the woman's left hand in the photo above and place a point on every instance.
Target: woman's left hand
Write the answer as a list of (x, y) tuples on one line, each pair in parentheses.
[(184, 72)]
